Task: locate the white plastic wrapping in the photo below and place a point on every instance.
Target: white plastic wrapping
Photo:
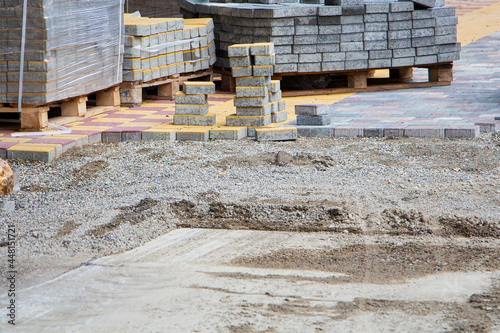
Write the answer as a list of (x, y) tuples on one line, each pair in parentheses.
[(72, 48)]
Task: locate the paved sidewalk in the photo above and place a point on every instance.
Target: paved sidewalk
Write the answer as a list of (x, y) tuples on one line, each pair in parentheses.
[(469, 106)]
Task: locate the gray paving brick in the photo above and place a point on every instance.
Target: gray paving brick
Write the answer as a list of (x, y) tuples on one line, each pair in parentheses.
[(443, 11), (311, 57), (451, 20), (447, 57), (424, 41), (403, 62), (462, 132), (373, 132), (352, 28), (353, 9), (305, 39), (283, 49), (308, 20), (374, 36), (424, 132), (325, 48), (382, 54), (403, 53), (348, 132), (356, 64), (285, 68), (306, 30), (329, 30), (281, 40), (400, 25), (287, 58), (355, 37), (427, 50), (399, 34), (309, 67), (333, 66), (298, 49), (424, 23), (328, 20), (399, 43), (429, 59), (310, 120), (445, 39), (370, 18), (351, 19), (376, 26), (315, 131), (376, 8), (312, 109), (380, 63), (394, 132), (376, 45), (354, 46), (334, 56), (402, 16), (446, 30), (424, 32), (430, 3), (357, 55), (329, 11), (422, 14), (328, 39), (343, 2), (253, 81), (401, 6)]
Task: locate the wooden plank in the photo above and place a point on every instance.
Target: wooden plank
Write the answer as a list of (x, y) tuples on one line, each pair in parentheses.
[(382, 87)]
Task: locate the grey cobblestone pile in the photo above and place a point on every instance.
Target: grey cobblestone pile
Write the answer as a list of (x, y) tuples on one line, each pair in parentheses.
[(342, 35), (258, 99), (191, 104)]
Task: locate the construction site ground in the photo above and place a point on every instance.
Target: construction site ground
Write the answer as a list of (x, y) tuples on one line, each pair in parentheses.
[(319, 234)]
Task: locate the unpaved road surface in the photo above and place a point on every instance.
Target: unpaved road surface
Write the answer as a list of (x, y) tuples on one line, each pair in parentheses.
[(315, 235)]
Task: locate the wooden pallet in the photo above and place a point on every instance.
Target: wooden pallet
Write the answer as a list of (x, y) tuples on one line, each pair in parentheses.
[(35, 118), (131, 93), (360, 80)]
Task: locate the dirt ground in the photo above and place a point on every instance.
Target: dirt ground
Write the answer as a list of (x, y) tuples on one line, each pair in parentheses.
[(117, 197)]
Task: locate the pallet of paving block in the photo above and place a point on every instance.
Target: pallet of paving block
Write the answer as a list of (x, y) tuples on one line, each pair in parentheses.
[(131, 93), (35, 118)]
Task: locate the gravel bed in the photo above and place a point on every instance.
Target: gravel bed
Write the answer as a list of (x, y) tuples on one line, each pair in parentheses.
[(107, 198)]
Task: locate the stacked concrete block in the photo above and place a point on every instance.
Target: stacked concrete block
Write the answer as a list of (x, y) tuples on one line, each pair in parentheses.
[(160, 47), (191, 104), (72, 49), (313, 114), (258, 99), (341, 36), (154, 8)]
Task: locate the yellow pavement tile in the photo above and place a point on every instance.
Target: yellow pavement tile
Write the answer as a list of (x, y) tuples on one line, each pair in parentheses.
[(112, 120), (19, 140), (65, 136), (35, 148)]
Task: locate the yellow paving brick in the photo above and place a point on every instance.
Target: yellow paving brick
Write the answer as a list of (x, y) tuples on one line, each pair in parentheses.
[(478, 24), (35, 148), (155, 116), (19, 140), (65, 136)]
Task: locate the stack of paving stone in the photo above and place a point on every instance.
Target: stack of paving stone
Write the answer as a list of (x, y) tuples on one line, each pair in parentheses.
[(191, 104), (72, 48), (160, 47), (258, 99), (313, 114), (343, 35)]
